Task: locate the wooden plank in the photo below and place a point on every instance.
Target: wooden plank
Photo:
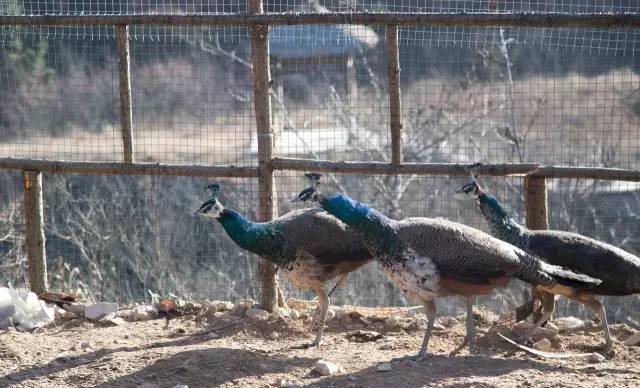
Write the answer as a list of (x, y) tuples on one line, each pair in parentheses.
[(34, 230), (393, 88), (108, 168), (443, 169), (472, 19), (261, 76), (124, 71), (536, 202), (614, 174)]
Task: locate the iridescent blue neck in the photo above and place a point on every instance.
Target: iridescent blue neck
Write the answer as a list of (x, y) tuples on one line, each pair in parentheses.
[(247, 234), (374, 227), (502, 226)]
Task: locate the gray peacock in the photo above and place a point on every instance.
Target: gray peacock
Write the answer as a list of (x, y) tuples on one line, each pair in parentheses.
[(309, 246), (429, 258), (618, 270)]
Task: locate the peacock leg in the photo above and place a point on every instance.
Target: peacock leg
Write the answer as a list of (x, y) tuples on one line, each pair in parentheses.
[(599, 310), (321, 316), (470, 338), (548, 306), (341, 281), (431, 312)]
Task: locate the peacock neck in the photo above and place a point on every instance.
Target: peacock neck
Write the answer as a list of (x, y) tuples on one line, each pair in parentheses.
[(374, 228), (249, 235), (501, 224)]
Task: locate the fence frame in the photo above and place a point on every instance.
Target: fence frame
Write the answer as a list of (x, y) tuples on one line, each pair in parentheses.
[(534, 175)]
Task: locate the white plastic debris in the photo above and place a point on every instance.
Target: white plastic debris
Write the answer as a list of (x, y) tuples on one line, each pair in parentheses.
[(22, 309), (326, 368), (97, 311)]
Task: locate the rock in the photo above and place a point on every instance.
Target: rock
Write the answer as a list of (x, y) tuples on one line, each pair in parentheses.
[(439, 327), (407, 363), (279, 313), (294, 314), (144, 313), (569, 324), (449, 322), (543, 345), (111, 320), (326, 368), (384, 367), (493, 340), (364, 336), (257, 314), (633, 340), (75, 308), (551, 326), (274, 335), (287, 384), (543, 333), (393, 324), (180, 386), (365, 321), (596, 358), (330, 315), (84, 345), (300, 305), (100, 310)]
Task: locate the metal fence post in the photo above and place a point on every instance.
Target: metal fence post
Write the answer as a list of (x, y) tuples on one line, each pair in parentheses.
[(126, 111), (261, 75), (34, 229), (395, 107), (536, 209)]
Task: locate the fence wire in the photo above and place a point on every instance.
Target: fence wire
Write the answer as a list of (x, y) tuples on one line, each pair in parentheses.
[(549, 96)]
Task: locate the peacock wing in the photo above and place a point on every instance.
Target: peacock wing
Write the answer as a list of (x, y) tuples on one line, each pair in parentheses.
[(323, 236)]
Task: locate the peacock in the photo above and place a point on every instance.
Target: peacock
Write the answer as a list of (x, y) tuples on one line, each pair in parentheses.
[(618, 270), (309, 246), (429, 258)]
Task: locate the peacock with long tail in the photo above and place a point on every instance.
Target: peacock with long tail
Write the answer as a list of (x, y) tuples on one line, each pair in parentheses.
[(430, 258), (309, 246), (618, 270)]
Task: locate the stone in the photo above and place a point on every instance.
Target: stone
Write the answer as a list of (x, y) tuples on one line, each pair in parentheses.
[(330, 315), (365, 321), (543, 333), (384, 367), (84, 345), (326, 368), (439, 327), (287, 384), (364, 336), (180, 386), (543, 345), (111, 320), (100, 310), (279, 313), (393, 324), (596, 358), (75, 308), (257, 314), (633, 340), (294, 314), (449, 322), (565, 324)]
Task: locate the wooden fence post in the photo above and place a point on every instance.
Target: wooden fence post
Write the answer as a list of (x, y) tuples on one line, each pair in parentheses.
[(126, 110), (393, 88), (536, 210), (34, 229), (261, 75)]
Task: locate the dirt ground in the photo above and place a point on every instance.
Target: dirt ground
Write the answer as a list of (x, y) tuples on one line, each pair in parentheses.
[(231, 350)]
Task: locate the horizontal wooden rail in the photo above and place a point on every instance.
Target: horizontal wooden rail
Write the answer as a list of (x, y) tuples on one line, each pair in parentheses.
[(109, 168), (546, 20), (503, 169), (404, 168), (612, 174)]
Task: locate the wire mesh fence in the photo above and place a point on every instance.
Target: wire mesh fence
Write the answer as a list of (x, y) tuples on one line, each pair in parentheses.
[(561, 96)]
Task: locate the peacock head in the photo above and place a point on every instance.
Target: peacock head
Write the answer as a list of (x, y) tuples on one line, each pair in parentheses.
[(489, 205), (212, 208), (311, 193)]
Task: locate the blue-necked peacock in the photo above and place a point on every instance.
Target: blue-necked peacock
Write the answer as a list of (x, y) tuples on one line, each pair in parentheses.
[(429, 258), (618, 270), (309, 246)]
